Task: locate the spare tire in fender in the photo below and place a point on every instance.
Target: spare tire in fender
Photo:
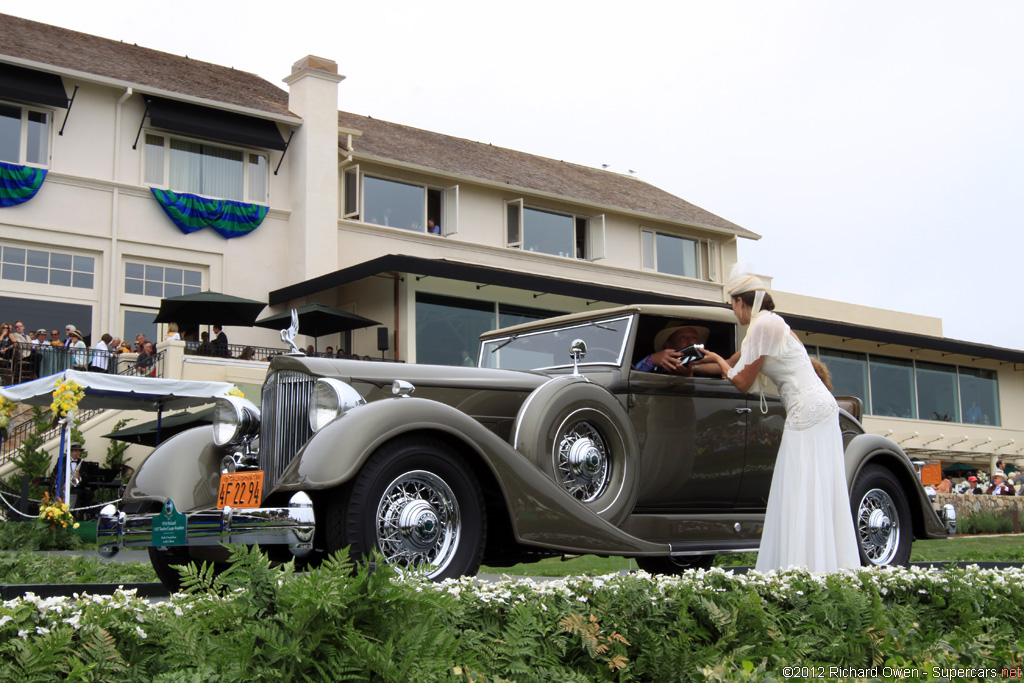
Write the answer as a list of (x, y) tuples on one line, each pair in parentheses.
[(580, 435)]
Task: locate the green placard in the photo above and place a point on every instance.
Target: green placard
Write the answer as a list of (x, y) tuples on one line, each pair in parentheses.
[(169, 526)]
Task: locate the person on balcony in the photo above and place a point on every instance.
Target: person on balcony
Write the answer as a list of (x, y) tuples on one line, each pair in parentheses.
[(146, 362), (101, 352), (220, 342)]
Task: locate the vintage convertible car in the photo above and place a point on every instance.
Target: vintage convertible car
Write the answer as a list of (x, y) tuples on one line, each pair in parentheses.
[(553, 445)]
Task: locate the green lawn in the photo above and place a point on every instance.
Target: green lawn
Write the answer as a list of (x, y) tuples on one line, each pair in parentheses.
[(1006, 548)]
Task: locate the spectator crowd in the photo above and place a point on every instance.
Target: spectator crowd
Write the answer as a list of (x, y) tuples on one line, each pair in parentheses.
[(27, 354)]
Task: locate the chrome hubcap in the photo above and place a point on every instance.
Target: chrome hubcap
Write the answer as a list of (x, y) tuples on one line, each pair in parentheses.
[(582, 461), (878, 529), (418, 523)]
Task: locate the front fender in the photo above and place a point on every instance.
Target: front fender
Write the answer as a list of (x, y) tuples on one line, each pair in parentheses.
[(185, 468), (542, 512), (872, 448), (335, 454)]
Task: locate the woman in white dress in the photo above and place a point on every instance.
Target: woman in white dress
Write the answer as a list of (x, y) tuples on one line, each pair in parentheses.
[(808, 522)]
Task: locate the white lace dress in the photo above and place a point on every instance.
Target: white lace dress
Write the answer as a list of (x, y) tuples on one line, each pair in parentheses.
[(808, 522)]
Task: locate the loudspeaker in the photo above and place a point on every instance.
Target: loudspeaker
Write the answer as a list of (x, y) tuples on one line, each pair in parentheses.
[(382, 339)]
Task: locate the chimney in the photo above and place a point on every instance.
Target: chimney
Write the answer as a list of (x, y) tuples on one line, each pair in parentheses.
[(313, 163)]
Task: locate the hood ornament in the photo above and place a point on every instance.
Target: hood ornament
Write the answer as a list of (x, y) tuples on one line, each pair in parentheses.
[(288, 336)]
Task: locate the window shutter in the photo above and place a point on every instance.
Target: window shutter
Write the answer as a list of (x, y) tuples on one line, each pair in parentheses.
[(352, 205), (514, 223), (595, 248), (450, 212)]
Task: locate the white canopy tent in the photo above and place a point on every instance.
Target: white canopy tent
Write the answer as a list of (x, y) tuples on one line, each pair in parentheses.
[(118, 392)]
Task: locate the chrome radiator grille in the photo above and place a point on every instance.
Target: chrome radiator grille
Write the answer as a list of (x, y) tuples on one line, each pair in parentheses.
[(284, 424)]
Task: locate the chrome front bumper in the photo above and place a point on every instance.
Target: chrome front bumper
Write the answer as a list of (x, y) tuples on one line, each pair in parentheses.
[(293, 526)]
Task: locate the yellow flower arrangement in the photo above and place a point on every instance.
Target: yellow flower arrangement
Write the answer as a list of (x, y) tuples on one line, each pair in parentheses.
[(66, 398), (55, 515), (235, 391), (6, 410)]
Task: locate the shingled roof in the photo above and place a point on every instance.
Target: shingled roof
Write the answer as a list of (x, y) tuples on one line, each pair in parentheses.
[(72, 50), (67, 49), (521, 170)]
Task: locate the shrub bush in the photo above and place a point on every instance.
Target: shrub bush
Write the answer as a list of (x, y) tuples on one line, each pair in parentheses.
[(31, 535), (985, 522)]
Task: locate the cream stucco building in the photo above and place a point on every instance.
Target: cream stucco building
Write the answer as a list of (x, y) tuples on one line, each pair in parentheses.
[(436, 237)]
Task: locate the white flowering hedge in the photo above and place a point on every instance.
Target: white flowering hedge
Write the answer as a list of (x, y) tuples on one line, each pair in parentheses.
[(258, 623)]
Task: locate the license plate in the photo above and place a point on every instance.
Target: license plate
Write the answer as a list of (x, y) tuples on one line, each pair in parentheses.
[(240, 490)]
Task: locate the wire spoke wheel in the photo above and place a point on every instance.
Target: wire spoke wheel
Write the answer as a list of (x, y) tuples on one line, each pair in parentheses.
[(418, 504), (878, 527), (582, 460), (418, 524)]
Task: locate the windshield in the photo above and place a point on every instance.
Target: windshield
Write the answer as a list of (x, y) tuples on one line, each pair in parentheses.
[(605, 339)]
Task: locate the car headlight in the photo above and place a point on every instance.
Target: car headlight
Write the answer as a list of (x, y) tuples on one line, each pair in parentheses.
[(234, 419), (330, 399)]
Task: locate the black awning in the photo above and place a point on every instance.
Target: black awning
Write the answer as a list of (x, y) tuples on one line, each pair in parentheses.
[(469, 272), (487, 275), (215, 124), (29, 85)]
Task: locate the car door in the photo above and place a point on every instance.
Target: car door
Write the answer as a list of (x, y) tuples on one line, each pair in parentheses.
[(764, 433), (692, 433)]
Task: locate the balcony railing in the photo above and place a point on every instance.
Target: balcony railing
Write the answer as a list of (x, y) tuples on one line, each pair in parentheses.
[(21, 362)]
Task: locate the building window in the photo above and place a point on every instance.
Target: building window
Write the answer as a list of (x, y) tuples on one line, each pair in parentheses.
[(892, 387), (979, 396), (53, 315), (550, 232), (24, 135), (135, 321), (47, 267), (674, 255), (938, 397), (448, 328), (204, 169), (849, 374), (397, 204), (916, 390), (161, 281)]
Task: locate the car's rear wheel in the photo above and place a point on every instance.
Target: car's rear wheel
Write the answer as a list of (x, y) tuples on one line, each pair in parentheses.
[(417, 502), (580, 435), (881, 517), (674, 565)]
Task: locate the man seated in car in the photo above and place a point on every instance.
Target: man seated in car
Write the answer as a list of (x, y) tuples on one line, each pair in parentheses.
[(668, 358)]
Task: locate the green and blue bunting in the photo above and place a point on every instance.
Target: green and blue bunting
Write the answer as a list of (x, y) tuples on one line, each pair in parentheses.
[(191, 212), (18, 184)]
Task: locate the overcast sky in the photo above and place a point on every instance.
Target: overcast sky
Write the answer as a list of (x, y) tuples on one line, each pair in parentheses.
[(876, 146)]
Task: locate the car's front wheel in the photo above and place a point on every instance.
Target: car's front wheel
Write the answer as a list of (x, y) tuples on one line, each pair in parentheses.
[(417, 502), (881, 517)]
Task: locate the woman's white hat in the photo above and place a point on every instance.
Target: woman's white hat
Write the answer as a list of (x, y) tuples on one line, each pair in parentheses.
[(742, 279)]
